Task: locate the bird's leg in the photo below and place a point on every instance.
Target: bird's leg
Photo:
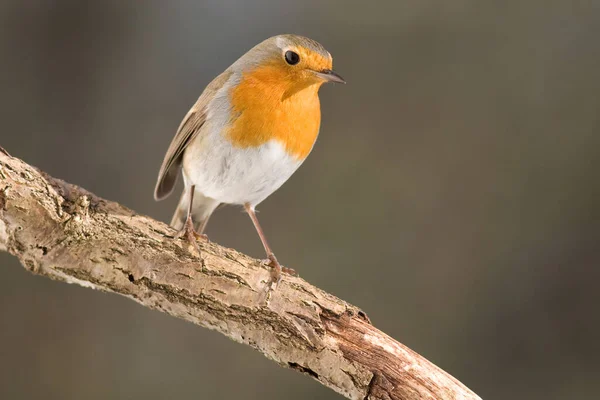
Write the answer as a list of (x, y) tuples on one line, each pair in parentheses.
[(188, 227), (272, 260)]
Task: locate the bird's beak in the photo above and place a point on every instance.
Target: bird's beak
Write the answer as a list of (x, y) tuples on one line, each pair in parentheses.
[(329, 76)]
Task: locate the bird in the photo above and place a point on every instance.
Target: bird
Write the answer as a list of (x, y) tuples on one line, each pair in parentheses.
[(248, 132)]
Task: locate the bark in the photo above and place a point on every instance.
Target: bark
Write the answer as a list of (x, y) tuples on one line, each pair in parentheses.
[(67, 233)]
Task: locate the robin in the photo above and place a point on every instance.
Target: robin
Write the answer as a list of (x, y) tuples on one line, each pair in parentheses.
[(249, 131)]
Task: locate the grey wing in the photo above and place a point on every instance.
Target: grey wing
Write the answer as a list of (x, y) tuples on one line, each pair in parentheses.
[(190, 128)]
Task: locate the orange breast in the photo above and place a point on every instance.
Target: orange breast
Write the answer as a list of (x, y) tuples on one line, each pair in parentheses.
[(270, 104)]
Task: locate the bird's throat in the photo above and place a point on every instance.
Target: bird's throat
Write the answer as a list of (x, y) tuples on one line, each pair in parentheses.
[(270, 104)]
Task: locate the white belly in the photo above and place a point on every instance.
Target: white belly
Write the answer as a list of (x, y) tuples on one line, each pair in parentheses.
[(237, 176)]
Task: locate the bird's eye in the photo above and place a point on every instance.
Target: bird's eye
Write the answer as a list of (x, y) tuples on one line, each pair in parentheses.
[(291, 57)]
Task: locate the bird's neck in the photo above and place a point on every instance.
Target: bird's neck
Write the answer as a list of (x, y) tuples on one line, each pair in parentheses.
[(270, 105)]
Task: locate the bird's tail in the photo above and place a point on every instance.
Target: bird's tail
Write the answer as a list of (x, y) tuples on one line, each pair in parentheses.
[(202, 209)]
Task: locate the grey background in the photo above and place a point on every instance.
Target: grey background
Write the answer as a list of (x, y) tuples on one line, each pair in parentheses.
[(453, 193)]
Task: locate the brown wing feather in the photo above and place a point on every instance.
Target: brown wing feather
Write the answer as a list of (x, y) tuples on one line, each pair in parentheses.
[(189, 128)]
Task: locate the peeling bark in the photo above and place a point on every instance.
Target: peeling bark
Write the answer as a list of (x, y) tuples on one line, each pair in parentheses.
[(67, 233)]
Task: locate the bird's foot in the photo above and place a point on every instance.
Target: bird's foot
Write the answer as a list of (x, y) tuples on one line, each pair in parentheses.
[(276, 270), (190, 234)]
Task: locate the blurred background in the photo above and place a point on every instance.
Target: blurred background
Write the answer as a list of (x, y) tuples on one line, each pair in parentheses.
[(453, 193)]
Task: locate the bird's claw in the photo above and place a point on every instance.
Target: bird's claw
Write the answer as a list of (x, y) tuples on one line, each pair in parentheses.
[(276, 270), (190, 234)]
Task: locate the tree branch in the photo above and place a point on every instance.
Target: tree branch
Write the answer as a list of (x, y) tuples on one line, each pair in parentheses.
[(66, 233)]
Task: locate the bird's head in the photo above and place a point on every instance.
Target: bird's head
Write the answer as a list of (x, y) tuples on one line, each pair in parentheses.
[(291, 62)]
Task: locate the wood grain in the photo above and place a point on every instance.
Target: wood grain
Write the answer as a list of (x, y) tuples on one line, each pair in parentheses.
[(67, 233)]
